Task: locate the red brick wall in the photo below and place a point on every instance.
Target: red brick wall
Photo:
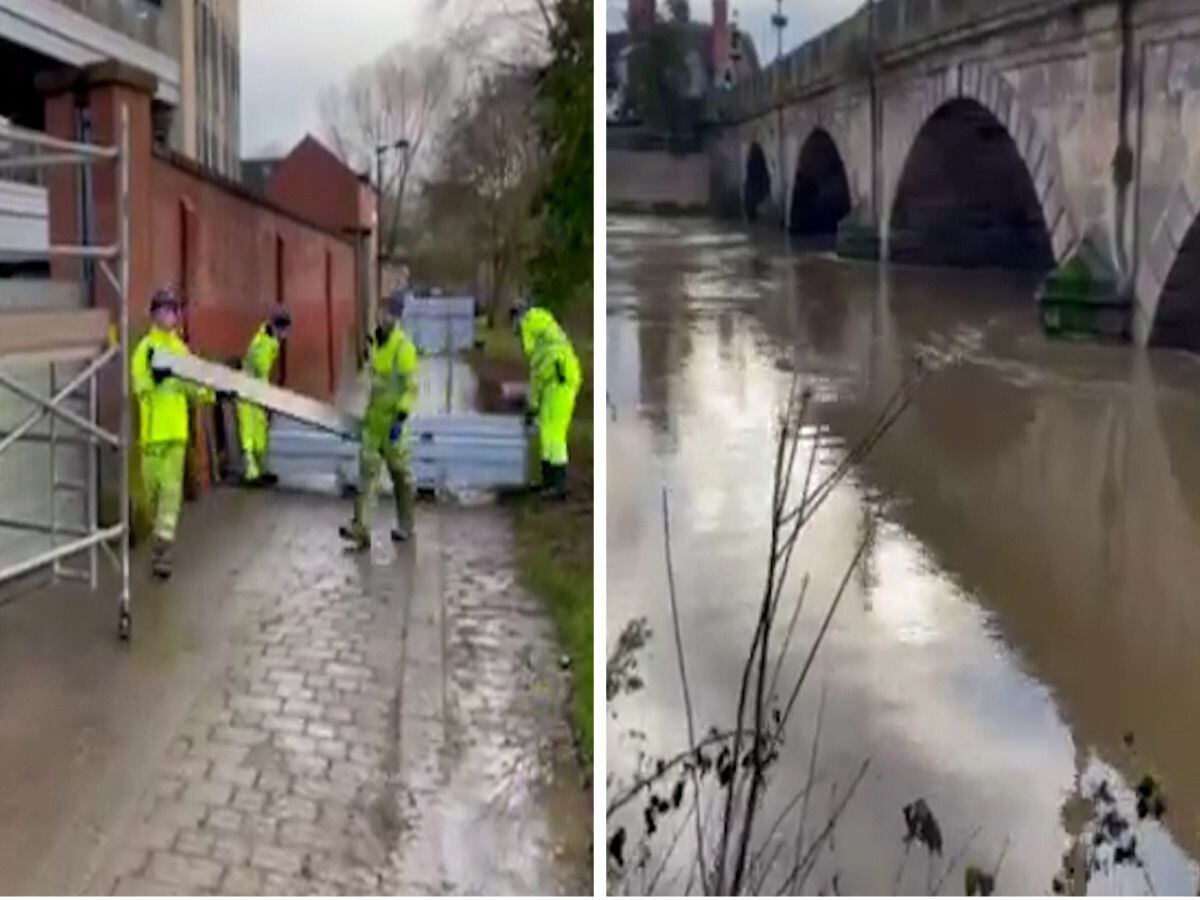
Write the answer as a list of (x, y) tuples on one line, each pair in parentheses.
[(315, 184), (222, 249)]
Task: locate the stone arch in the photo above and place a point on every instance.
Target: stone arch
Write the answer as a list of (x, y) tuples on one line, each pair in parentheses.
[(992, 93), (820, 194), (1167, 314), (756, 183)]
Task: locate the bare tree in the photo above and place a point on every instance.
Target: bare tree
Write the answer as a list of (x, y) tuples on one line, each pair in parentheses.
[(402, 96), (503, 30), (492, 149)]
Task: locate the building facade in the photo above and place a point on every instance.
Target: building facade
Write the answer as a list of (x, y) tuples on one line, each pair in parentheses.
[(191, 47), (717, 54), (211, 74)]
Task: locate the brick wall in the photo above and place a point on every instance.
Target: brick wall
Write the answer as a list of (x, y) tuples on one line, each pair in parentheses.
[(235, 258)]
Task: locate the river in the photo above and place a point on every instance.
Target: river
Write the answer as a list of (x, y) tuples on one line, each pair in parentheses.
[(1026, 619)]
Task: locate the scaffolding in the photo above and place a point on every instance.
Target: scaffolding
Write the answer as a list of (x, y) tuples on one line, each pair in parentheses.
[(71, 409)]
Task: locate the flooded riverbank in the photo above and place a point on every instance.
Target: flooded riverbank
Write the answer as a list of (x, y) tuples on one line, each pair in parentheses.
[(1024, 624)]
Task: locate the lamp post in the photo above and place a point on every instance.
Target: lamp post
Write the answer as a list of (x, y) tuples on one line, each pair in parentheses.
[(380, 150), (779, 22), (873, 90)]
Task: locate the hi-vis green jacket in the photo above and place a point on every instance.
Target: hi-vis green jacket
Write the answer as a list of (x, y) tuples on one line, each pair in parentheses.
[(393, 367), (162, 408)]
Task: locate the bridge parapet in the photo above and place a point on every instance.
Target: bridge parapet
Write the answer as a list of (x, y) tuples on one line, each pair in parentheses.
[(844, 52)]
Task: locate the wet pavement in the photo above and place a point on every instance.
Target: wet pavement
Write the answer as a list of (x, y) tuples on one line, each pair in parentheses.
[(1024, 625), (293, 719)]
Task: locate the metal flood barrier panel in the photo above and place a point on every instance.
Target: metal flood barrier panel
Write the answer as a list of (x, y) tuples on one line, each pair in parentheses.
[(440, 324), (458, 451), (310, 438)]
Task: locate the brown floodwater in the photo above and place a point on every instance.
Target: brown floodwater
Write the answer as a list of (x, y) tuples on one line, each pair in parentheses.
[(1026, 620)]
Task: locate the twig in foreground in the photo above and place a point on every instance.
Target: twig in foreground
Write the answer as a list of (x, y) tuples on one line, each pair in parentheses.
[(687, 695)]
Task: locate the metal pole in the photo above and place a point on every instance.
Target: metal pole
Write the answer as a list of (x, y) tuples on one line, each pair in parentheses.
[(124, 618), (46, 407), (43, 559), (92, 476), (378, 226), (19, 135), (19, 524), (449, 365), (779, 21), (76, 252), (18, 163), (53, 475), (875, 212), (60, 411)]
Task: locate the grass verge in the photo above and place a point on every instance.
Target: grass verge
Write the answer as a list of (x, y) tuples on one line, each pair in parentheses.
[(554, 540)]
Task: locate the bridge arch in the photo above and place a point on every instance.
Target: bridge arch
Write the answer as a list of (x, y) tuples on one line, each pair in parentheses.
[(1176, 318), (1010, 202), (820, 189), (756, 187), (965, 196), (1168, 272)]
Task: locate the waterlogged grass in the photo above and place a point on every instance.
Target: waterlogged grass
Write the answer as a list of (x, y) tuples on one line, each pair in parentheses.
[(554, 540), (554, 558)]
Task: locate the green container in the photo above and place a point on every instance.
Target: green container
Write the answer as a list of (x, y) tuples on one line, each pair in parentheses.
[(1074, 303)]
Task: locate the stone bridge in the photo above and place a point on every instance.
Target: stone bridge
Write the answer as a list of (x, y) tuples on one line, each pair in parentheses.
[(1018, 133)]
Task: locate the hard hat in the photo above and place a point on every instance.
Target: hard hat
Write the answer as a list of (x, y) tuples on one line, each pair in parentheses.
[(395, 303), (165, 296)]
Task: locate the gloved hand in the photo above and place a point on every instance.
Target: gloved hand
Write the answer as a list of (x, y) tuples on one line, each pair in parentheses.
[(559, 372), (158, 375), (397, 429), (530, 416), (226, 396)]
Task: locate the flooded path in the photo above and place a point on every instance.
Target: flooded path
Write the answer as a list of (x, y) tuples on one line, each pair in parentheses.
[(1026, 622)]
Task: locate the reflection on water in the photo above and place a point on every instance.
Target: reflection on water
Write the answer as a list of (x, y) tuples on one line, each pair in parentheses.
[(1025, 625)]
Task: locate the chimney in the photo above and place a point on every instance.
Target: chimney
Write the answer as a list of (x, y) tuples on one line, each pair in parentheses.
[(721, 41)]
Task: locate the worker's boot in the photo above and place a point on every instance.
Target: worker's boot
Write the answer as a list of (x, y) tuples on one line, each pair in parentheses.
[(356, 534), (555, 486), (250, 474), (402, 494), (265, 478), (160, 559)]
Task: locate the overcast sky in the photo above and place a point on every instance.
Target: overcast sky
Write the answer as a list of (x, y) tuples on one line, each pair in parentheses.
[(805, 18), (292, 49)]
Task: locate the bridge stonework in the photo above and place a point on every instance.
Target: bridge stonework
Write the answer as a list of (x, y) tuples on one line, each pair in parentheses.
[(1099, 100)]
